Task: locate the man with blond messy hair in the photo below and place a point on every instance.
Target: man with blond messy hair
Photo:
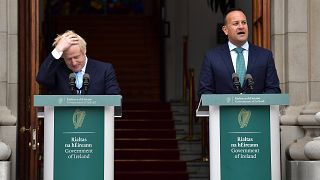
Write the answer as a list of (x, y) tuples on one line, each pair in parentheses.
[(68, 60)]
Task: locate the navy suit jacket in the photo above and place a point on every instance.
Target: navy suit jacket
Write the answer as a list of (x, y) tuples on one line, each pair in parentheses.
[(54, 75), (217, 69)]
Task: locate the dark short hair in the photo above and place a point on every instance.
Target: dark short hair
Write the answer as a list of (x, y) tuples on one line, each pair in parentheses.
[(231, 10)]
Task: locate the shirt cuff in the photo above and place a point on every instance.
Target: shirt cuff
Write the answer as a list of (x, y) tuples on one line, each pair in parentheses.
[(56, 54)]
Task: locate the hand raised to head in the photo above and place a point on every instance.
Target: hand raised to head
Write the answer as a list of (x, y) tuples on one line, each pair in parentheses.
[(66, 40)]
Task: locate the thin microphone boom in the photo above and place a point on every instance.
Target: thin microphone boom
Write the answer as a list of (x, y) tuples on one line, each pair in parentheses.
[(86, 83), (250, 82), (72, 83), (236, 82)]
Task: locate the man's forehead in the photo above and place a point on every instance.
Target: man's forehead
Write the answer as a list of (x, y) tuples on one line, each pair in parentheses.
[(238, 20), (235, 14)]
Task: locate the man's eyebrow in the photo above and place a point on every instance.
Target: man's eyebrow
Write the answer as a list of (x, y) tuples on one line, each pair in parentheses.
[(238, 20)]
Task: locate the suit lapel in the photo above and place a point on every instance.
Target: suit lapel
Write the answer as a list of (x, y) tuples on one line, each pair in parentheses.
[(66, 71), (252, 58), (226, 58), (90, 69)]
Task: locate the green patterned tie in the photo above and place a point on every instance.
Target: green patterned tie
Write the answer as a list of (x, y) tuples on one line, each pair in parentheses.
[(240, 65)]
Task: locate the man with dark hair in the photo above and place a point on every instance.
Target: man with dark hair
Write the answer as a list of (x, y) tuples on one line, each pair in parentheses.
[(238, 58)]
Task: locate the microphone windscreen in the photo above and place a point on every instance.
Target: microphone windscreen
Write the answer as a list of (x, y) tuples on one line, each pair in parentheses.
[(86, 76), (72, 76), (248, 76), (235, 75)]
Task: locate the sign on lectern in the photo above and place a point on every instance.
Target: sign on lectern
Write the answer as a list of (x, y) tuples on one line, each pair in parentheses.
[(79, 136)]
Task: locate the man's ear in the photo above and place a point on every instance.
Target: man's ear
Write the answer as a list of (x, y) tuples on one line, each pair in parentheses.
[(225, 30)]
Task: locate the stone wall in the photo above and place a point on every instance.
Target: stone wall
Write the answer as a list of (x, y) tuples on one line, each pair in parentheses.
[(7, 143), (9, 76), (295, 42)]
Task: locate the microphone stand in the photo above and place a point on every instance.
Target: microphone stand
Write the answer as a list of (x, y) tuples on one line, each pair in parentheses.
[(84, 90), (72, 84), (249, 83), (85, 84)]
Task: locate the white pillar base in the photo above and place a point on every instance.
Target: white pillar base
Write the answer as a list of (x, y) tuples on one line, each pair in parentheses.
[(5, 170), (303, 170)]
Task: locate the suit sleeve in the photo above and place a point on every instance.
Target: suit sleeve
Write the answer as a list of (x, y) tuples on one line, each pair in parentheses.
[(271, 80), (46, 74), (111, 83), (206, 77)]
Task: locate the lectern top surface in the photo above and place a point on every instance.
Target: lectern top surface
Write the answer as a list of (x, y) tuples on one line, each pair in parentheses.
[(244, 99), (239, 100), (77, 100)]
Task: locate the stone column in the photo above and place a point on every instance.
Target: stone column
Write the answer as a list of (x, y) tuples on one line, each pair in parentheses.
[(8, 85), (6, 120), (303, 154), (312, 148), (5, 164), (314, 27)]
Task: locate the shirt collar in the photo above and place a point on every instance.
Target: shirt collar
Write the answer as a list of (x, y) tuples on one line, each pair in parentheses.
[(244, 46), (83, 70)]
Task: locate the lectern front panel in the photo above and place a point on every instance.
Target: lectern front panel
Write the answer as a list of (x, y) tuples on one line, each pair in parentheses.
[(245, 142), (79, 143)]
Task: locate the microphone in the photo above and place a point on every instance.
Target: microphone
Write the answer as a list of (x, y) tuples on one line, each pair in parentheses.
[(236, 82), (72, 83), (250, 82), (86, 83)]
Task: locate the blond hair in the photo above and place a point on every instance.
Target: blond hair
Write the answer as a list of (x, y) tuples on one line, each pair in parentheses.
[(82, 42)]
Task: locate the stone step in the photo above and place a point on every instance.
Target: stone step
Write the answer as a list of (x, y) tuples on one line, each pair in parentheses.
[(198, 170), (146, 133), (183, 130), (146, 154), (132, 143), (190, 150)]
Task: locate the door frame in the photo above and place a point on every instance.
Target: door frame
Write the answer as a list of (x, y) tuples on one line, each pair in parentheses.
[(28, 58)]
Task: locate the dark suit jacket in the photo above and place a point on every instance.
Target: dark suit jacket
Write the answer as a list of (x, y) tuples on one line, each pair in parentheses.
[(54, 75), (217, 69)]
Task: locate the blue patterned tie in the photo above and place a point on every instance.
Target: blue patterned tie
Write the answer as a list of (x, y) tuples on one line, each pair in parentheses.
[(240, 65), (79, 79)]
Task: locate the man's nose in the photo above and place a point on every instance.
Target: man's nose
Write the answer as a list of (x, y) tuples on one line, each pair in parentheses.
[(241, 26), (73, 62)]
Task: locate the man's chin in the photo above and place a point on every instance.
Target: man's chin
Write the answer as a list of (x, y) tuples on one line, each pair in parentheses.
[(74, 70), (242, 40)]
